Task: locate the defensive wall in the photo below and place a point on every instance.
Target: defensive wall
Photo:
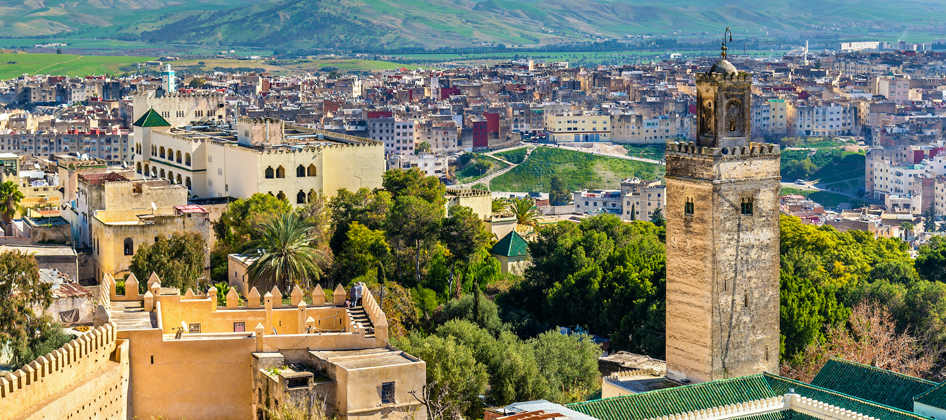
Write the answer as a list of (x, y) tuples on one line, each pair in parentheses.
[(87, 378)]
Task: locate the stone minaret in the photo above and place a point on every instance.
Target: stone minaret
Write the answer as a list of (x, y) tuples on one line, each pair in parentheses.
[(722, 239)]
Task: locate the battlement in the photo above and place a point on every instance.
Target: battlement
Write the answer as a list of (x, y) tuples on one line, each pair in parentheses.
[(259, 120), (633, 373), (54, 372), (753, 149), (468, 193), (717, 77)]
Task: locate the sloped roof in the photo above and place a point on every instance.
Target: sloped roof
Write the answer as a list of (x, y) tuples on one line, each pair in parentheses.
[(677, 400), (871, 383), (152, 119), (935, 397), (781, 386), (780, 415), (511, 245)]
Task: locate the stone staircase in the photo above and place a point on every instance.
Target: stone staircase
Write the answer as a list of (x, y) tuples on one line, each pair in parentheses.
[(130, 316), (359, 318)]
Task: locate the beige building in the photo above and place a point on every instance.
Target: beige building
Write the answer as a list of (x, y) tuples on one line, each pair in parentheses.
[(116, 235), (568, 128), (181, 109), (636, 129), (481, 202), (442, 136), (259, 156), (172, 356), (644, 197)]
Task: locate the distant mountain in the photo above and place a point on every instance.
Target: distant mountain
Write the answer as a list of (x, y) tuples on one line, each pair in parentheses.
[(434, 23)]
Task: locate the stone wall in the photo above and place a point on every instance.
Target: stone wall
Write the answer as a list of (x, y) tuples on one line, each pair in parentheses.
[(87, 378), (722, 265)]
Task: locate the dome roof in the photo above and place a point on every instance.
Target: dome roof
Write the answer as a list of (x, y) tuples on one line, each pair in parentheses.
[(723, 67)]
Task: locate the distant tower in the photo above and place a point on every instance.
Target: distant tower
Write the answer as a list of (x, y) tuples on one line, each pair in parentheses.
[(722, 239), (167, 79)]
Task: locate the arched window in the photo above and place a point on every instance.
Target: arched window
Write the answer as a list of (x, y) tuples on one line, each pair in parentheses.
[(129, 246), (187, 159), (269, 172), (178, 156), (312, 171), (179, 181), (162, 172), (187, 182), (154, 150), (171, 176), (311, 195), (280, 172), (281, 196), (138, 167), (162, 152), (300, 171), (300, 197)]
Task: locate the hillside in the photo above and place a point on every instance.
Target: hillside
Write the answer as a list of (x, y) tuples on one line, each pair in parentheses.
[(396, 23), (578, 171)]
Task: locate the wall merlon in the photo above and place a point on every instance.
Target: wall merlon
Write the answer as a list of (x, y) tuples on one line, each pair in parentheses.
[(753, 149)]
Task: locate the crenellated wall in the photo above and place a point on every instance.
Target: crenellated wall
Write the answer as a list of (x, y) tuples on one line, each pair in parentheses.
[(86, 378)]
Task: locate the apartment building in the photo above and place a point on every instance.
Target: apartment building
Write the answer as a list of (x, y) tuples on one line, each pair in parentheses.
[(569, 128), (771, 116), (829, 120), (642, 198), (636, 129), (598, 201), (111, 146), (894, 179), (441, 135)]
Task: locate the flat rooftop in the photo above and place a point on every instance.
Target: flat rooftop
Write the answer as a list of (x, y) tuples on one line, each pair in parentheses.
[(642, 383), (365, 358)]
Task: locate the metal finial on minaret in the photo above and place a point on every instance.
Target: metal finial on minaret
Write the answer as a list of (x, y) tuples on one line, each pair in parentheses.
[(723, 54)]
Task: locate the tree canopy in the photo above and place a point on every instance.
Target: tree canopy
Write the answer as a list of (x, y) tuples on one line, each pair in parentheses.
[(178, 260)]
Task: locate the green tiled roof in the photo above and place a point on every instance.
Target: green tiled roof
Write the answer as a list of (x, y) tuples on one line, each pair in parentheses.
[(781, 386), (935, 397), (152, 119), (677, 400), (780, 415), (871, 383), (594, 396), (511, 245)]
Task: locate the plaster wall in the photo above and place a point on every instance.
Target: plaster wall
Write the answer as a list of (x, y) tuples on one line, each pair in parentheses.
[(205, 378), (86, 378)]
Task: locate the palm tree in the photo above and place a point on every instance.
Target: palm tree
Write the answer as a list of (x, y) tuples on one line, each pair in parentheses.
[(10, 198), (525, 211), (906, 228), (286, 253)]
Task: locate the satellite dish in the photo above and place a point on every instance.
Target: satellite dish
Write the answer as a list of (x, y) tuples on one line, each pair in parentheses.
[(153, 207), (184, 326)]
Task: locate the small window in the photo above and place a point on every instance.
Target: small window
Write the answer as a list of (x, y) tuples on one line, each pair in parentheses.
[(300, 171), (270, 173), (387, 393), (129, 246), (193, 328), (688, 207), (746, 207), (239, 327)]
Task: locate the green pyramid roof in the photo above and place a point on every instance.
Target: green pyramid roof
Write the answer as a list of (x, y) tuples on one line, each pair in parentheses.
[(511, 245), (871, 383), (152, 119)]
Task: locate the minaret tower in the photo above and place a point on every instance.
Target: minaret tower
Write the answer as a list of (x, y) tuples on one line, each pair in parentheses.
[(722, 239)]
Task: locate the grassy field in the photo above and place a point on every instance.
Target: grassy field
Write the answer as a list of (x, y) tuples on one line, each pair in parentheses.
[(647, 151), (578, 171), (514, 156), (471, 172), (63, 64), (827, 199), (293, 66)]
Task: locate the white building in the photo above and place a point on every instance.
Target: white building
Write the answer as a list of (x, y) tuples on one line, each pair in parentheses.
[(598, 201), (642, 198), (890, 179), (831, 120)]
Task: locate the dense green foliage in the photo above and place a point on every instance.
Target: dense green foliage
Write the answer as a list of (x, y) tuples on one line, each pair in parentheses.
[(577, 170), (471, 166), (931, 262), (10, 198), (602, 274), (25, 334), (178, 260), (559, 195)]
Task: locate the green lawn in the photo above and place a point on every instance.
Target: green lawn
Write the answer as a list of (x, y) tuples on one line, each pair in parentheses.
[(578, 171), (63, 64), (471, 173), (827, 199), (647, 151), (514, 156)]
